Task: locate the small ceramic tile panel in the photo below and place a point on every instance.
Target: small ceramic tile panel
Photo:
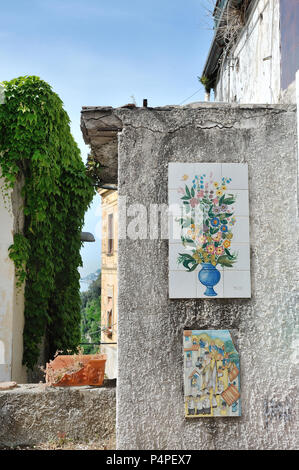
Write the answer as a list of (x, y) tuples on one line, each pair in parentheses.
[(209, 246), (211, 374)]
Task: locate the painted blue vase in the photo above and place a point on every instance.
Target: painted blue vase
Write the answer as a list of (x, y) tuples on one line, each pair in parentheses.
[(209, 276)]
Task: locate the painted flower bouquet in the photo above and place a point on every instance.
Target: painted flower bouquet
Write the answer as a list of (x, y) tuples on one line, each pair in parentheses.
[(206, 223)]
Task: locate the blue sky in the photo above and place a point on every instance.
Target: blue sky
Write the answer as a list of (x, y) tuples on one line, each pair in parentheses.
[(96, 53)]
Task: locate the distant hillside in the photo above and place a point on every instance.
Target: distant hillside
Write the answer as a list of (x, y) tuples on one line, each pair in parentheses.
[(86, 281), (91, 277), (91, 315)]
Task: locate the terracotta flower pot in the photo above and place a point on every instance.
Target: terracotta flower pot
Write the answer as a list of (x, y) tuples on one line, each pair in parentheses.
[(76, 370)]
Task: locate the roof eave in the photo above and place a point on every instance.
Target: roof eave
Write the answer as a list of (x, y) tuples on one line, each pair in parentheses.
[(100, 128), (215, 51), (211, 66)]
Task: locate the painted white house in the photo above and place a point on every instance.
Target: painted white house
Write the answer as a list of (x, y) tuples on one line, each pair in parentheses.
[(254, 55), (11, 297)]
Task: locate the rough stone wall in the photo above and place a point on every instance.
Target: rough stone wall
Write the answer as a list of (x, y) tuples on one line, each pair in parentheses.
[(150, 399), (33, 414)]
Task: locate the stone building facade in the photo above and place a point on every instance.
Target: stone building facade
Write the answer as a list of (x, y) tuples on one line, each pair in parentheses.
[(254, 61), (101, 135), (109, 279)]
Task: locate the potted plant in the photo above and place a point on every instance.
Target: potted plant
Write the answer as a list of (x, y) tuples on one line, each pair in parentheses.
[(76, 369)]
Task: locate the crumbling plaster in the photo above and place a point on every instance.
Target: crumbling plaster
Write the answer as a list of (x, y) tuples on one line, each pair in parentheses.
[(150, 405), (250, 72)]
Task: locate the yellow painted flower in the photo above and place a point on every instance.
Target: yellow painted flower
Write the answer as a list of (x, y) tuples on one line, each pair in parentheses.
[(219, 192), (218, 237), (226, 243), (185, 177), (223, 187), (216, 185)]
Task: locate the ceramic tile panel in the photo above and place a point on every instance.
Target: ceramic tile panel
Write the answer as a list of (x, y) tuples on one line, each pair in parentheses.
[(241, 230), (238, 172), (175, 249), (179, 173), (175, 206), (243, 259), (174, 230), (209, 226), (241, 206), (236, 284), (182, 284), (219, 288), (211, 374)]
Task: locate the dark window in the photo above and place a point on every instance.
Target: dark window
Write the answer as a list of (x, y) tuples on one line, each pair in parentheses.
[(110, 234), (109, 317)]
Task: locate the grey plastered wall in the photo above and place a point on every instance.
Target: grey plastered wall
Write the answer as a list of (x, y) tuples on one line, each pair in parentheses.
[(150, 404), (34, 414)]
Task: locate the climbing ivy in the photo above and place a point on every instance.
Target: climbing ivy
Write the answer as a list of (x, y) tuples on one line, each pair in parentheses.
[(36, 143)]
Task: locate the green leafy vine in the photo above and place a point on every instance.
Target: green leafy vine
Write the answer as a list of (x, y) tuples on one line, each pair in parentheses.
[(36, 142), (206, 82)]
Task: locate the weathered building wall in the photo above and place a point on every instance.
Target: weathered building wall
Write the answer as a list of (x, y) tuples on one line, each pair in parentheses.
[(251, 73), (11, 298), (150, 398)]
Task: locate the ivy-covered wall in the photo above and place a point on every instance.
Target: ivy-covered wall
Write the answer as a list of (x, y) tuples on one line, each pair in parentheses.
[(36, 144), (11, 299)]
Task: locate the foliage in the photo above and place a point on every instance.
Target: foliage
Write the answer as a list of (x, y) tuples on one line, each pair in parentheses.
[(93, 292), (55, 375), (206, 223), (19, 252), (36, 142), (93, 168), (233, 355), (91, 316), (206, 82)]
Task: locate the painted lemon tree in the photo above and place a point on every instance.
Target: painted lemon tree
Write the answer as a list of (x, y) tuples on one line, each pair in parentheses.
[(207, 223)]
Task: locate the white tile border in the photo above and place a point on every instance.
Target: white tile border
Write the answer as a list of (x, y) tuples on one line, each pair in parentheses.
[(238, 172), (237, 284)]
